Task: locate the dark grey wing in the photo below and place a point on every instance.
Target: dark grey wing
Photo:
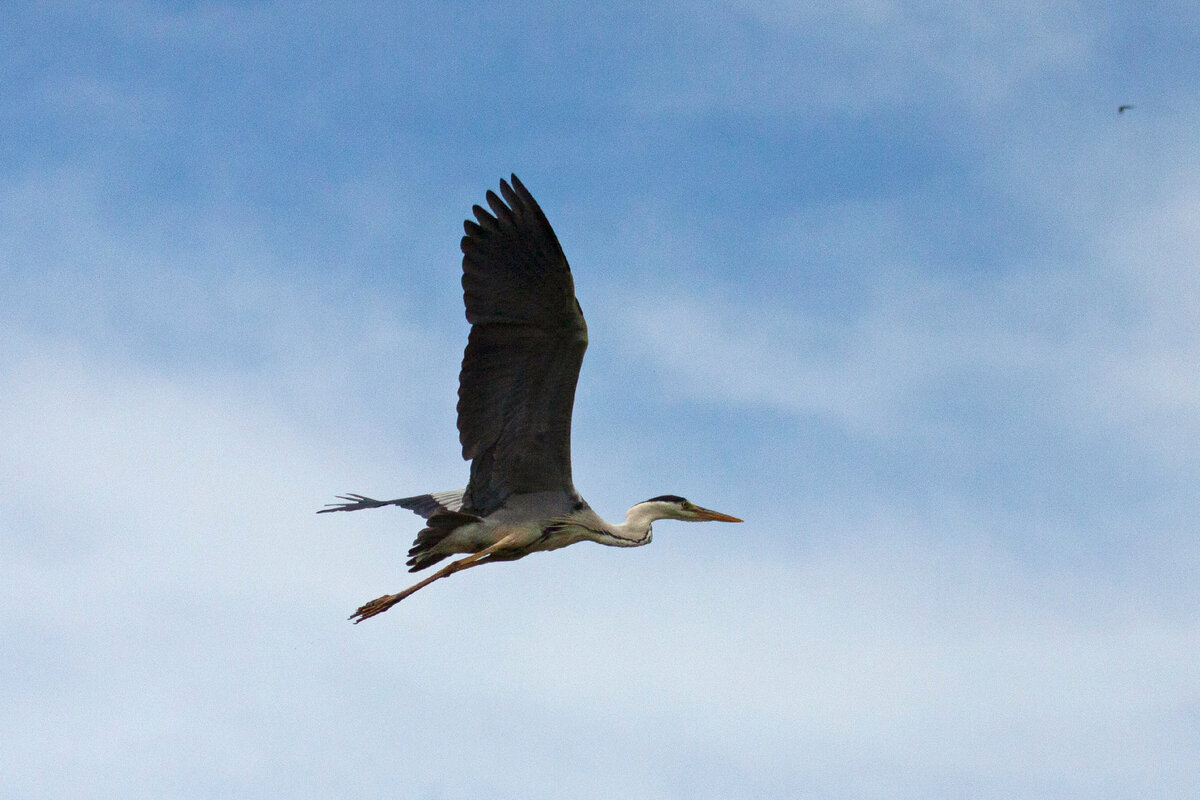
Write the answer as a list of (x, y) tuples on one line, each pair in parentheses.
[(424, 504), (519, 371)]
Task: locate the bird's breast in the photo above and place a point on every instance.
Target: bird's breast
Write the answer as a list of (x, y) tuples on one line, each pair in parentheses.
[(557, 534)]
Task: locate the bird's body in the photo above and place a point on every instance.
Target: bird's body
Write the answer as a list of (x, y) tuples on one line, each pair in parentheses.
[(516, 394)]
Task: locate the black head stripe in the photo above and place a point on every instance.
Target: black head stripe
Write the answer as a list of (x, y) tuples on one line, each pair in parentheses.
[(667, 498)]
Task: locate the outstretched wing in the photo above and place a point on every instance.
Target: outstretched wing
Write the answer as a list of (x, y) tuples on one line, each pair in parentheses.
[(517, 385)]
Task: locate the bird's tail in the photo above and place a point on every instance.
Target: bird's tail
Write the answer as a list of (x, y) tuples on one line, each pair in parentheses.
[(424, 552)]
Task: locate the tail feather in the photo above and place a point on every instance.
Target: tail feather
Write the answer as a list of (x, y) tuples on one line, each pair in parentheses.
[(439, 526)]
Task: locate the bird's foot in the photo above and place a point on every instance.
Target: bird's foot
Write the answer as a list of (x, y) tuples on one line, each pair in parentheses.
[(376, 606), (353, 502)]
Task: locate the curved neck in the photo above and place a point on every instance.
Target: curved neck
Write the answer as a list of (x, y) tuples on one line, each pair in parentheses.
[(635, 530)]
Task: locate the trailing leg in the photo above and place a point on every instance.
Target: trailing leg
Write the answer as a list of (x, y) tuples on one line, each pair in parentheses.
[(381, 604)]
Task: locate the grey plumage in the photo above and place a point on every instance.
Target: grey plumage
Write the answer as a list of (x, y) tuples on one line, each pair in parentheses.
[(515, 397)]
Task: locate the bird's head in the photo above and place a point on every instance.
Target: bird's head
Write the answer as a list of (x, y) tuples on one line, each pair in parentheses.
[(671, 506)]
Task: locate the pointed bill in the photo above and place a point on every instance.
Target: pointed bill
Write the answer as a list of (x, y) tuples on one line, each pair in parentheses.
[(715, 516)]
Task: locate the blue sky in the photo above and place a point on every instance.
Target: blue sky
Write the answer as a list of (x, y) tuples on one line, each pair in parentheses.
[(892, 281)]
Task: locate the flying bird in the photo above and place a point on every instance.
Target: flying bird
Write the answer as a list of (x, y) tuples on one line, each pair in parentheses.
[(1123, 109), (516, 391)]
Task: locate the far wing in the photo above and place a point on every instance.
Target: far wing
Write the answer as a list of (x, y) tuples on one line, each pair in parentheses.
[(517, 385)]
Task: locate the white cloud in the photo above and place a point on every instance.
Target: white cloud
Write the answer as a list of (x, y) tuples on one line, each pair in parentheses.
[(176, 613), (1104, 340), (178, 394)]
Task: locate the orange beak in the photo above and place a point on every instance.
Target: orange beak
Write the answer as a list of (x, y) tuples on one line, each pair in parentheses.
[(715, 516)]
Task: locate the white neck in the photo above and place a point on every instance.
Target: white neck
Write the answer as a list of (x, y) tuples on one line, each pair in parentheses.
[(635, 530)]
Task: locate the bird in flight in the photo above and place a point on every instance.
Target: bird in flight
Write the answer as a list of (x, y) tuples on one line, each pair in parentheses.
[(516, 391), (1123, 109)]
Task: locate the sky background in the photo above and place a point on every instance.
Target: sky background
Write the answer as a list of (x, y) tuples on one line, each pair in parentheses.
[(893, 281)]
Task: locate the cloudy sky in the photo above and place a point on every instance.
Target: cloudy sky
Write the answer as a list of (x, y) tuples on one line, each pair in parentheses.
[(893, 281)]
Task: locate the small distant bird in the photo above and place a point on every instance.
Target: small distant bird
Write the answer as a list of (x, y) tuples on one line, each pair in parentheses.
[(1123, 109), (516, 391)]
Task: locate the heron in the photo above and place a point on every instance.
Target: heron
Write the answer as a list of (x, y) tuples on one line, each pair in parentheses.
[(516, 393)]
